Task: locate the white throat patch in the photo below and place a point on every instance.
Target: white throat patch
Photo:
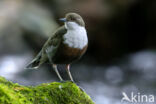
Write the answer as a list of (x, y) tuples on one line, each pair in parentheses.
[(76, 36)]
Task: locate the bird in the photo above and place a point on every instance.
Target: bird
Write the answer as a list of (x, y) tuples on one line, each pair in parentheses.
[(66, 45)]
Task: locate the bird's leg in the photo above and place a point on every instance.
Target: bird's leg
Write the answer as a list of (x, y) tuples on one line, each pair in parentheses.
[(57, 72), (54, 66), (68, 71)]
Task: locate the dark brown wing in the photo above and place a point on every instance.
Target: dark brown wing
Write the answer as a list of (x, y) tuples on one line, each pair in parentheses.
[(55, 39), (52, 43)]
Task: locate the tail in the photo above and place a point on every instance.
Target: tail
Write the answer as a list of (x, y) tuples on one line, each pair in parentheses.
[(35, 63)]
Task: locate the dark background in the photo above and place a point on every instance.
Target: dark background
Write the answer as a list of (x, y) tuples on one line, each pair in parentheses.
[(121, 56)]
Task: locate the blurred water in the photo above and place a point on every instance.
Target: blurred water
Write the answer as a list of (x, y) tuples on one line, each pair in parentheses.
[(12, 64), (104, 84)]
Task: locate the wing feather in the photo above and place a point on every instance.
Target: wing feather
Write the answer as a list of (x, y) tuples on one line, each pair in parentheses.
[(51, 46), (52, 43)]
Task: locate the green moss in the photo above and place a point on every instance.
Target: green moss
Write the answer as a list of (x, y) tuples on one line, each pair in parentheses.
[(46, 93)]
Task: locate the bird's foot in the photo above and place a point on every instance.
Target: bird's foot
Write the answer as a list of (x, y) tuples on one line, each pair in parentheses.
[(72, 81), (78, 85), (81, 89), (63, 81)]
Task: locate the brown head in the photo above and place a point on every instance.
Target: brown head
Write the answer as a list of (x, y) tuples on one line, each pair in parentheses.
[(72, 18)]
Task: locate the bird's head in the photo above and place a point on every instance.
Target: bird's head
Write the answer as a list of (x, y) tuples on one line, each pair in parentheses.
[(73, 20)]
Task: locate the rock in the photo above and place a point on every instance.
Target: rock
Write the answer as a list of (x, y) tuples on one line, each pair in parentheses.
[(46, 93)]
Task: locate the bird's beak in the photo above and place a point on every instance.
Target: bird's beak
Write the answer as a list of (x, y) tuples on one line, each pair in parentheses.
[(63, 19)]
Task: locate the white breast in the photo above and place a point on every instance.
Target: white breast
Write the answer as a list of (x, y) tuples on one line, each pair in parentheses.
[(76, 37)]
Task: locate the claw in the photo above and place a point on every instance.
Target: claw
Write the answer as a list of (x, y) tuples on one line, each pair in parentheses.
[(63, 81), (81, 89)]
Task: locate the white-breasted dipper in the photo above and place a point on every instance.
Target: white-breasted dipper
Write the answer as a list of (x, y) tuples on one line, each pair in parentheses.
[(65, 46)]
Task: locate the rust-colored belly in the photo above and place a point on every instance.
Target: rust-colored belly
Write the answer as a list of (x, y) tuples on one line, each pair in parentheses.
[(66, 54)]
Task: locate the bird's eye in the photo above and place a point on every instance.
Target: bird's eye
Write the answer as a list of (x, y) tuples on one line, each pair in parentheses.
[(72, 18)]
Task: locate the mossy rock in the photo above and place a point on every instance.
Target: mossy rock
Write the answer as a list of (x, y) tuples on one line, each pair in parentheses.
[(46, 93)]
